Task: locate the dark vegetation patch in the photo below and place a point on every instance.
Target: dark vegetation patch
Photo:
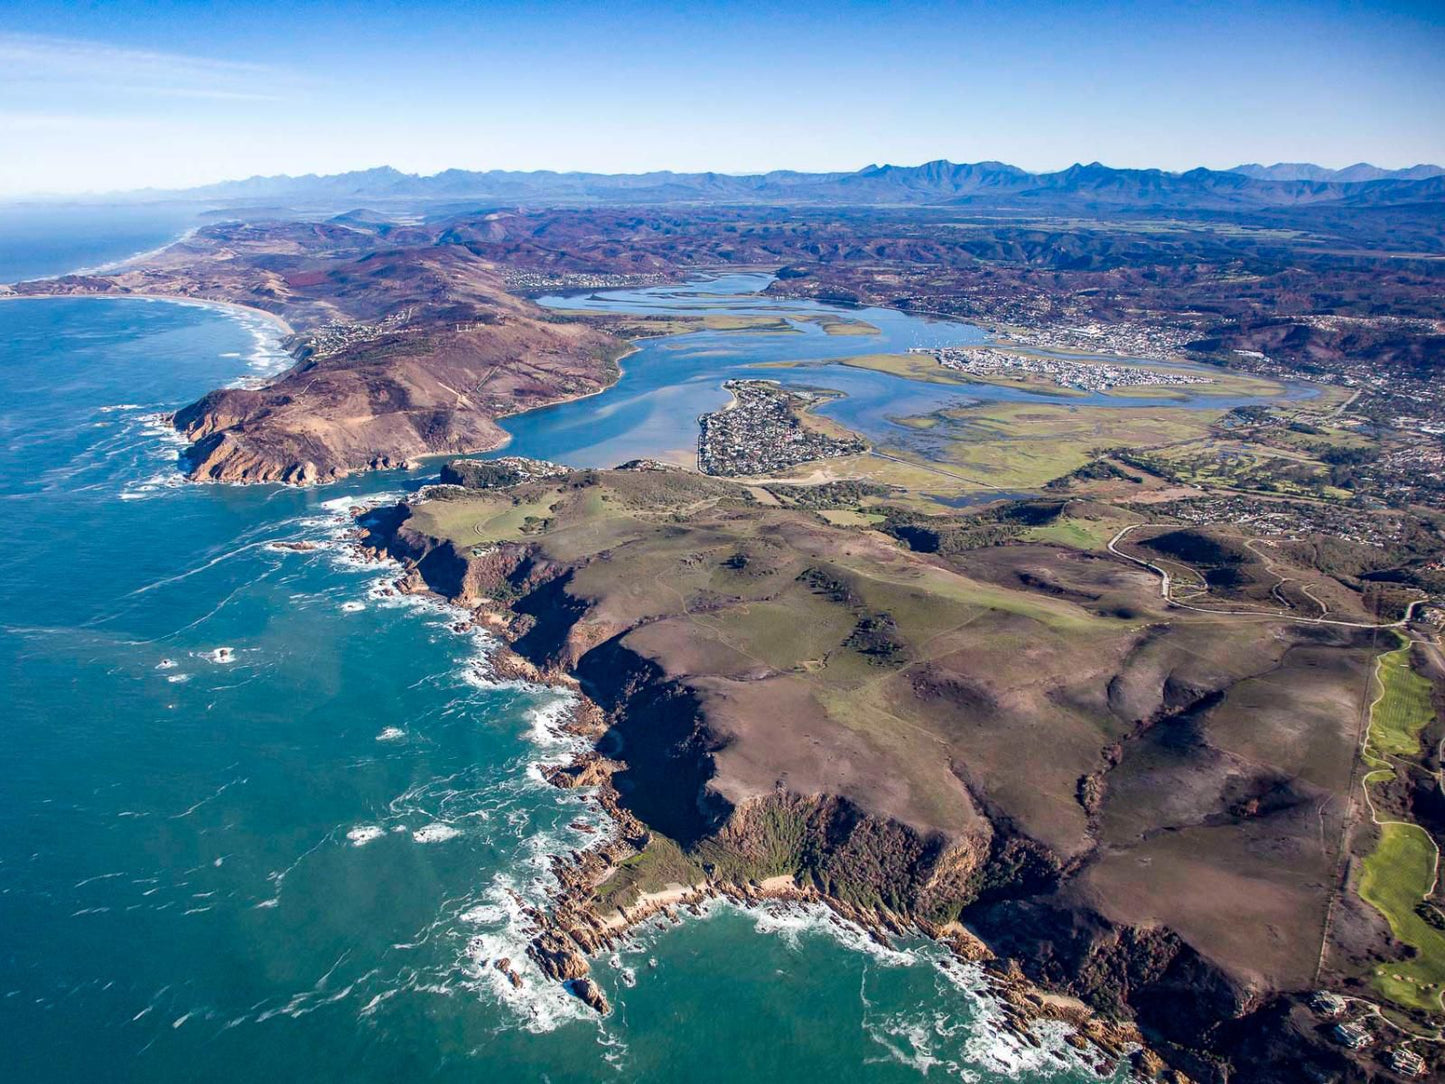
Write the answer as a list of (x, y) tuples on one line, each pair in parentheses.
[(1098, 470), (949, 535), (830, 495), (822, 581), (876, 638)]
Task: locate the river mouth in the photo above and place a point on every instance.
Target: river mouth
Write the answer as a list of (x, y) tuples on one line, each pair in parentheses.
[(667, 382)]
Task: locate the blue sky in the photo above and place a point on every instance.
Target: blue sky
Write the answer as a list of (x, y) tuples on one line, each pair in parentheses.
[(100, 95)]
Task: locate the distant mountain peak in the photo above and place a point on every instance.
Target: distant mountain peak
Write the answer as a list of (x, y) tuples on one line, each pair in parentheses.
[(1358, 173)]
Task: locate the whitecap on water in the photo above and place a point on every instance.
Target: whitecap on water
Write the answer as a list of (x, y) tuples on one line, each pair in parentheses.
[(363, 834), (538, 1004), (435, 833), (219, 654), (391, 733), (352, 607)]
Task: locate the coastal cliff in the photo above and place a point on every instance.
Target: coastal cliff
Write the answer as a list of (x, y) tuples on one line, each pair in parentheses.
[(726, 774), (404, 348)]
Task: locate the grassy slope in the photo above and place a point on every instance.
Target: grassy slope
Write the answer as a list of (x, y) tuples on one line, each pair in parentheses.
[(761, 607), (763, 617)]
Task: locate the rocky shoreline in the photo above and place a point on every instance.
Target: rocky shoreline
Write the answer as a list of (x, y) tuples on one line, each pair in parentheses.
[(573, 929)]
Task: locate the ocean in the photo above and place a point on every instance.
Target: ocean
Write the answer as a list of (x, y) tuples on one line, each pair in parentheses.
[(261, 817)]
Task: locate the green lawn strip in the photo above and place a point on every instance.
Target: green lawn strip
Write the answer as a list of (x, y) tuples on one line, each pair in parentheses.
[(1397, 875), (1402, 711), (1401, 871), (1079, 534)]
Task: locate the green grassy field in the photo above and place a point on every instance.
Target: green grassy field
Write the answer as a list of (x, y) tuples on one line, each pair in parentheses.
[(841, 325), (847, 517), (476, 523), (1024, 445), (1403, 710), (1078, 533), (1246, 465), (1396, 877), (1401, 870), (910, 366)]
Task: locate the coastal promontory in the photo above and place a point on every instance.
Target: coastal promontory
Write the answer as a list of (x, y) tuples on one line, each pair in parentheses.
[(403, 348)]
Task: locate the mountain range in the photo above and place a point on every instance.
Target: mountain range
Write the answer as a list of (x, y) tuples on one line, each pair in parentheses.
[(939, 183), (1360, 171)]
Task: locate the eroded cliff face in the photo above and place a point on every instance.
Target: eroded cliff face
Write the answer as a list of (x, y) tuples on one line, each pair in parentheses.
[(849, 854)]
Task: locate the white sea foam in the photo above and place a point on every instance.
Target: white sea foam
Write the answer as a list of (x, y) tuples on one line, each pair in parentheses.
[(509, 803), (178, 679), (167, 664), (352, 607), (538, 1005), (927, 1038), (218, 654), (794, 921), (159, 443), (435, 833), (546, 720)]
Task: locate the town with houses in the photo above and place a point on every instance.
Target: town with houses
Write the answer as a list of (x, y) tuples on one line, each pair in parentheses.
[(1147, 341), (1285, 519), (1066, 373), (1045, 322), (762, 430), (538, 282), (331, 339)]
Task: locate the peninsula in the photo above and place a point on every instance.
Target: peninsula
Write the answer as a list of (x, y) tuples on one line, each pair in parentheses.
[(403, 348)]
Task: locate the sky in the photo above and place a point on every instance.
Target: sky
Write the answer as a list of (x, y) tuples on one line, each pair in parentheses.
[(108, 95)]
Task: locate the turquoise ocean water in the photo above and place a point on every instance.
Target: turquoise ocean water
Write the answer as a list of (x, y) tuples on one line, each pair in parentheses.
[(261, 819)]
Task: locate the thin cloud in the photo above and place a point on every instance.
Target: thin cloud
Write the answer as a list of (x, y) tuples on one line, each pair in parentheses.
[(31, 63)]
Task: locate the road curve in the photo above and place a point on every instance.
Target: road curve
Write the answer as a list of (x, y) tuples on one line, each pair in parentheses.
[(1164, 593)]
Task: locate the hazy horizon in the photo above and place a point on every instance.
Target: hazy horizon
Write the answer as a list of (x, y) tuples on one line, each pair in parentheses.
[(176, 94)]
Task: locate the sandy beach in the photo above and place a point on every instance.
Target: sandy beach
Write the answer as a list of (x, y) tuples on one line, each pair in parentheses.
[(241, 310)]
